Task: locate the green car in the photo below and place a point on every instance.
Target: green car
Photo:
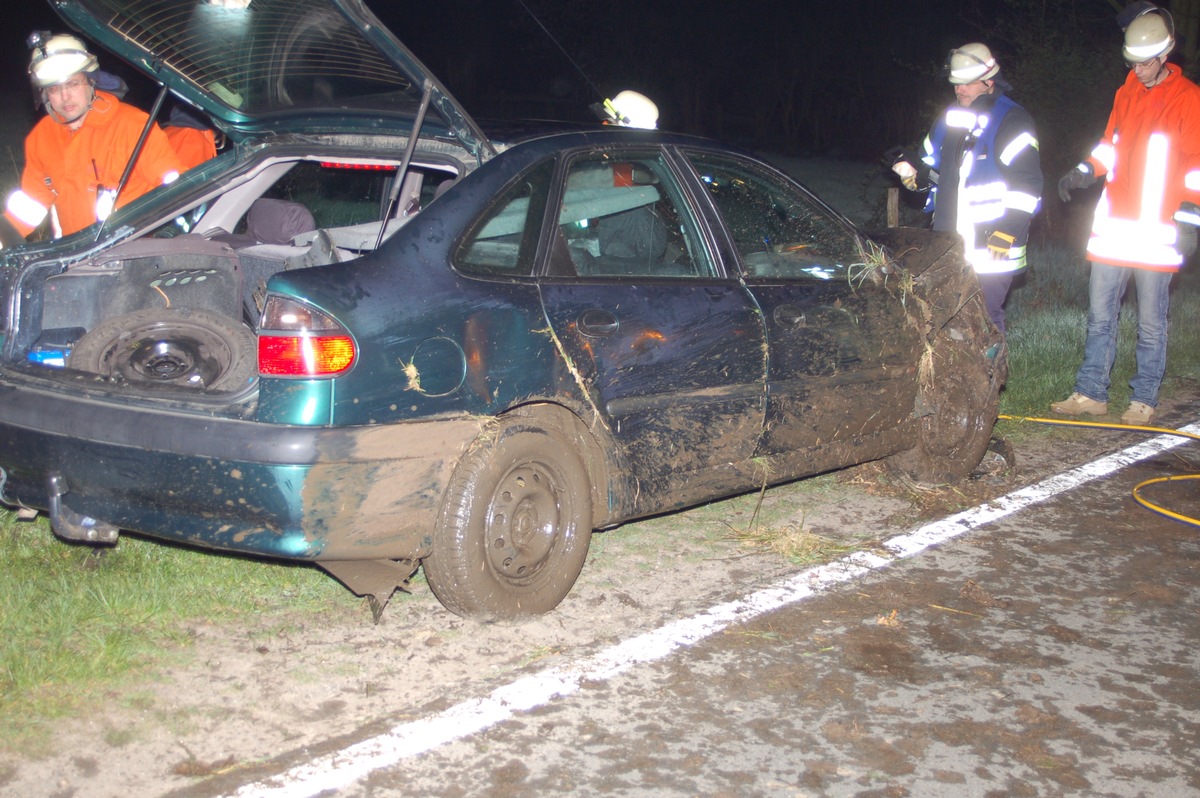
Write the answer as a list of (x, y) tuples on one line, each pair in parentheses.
[(372, 337)]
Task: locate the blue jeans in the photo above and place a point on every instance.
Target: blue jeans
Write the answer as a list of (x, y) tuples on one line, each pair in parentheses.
[(1153, 300)]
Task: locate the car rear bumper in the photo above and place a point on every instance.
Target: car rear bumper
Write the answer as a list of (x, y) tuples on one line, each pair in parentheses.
[(283, 491)]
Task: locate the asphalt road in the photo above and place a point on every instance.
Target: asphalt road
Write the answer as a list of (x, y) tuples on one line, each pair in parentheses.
[(1048, 652)]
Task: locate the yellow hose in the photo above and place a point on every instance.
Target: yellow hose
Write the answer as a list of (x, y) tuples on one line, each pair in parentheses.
[(1137, 497)]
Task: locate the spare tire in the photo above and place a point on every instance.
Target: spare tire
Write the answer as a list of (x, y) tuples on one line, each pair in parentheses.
[(183, 347)]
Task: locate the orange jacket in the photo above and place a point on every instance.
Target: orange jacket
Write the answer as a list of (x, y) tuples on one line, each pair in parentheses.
[(66, 171), (1150, 154), (194, 146)]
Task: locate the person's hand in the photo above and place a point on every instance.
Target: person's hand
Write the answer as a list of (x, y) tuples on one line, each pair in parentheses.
[(1185, 239), (1186, 232), (1081, 176), (999, 244), (913, 172), (907, 173)]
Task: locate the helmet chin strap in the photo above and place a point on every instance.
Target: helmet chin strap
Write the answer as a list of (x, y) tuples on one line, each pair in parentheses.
[(1162, 67)]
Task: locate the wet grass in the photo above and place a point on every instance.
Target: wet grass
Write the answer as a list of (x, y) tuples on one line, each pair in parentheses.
[(75, 620)]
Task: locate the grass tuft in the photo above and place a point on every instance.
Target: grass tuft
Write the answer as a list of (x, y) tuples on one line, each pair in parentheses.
[(793, 542)]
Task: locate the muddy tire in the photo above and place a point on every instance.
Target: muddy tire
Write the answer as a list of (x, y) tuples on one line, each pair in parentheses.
[(958, 402), (514, 526), (185, 347)]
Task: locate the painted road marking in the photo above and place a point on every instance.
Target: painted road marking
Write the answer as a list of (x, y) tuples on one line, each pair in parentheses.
[(348, 765)]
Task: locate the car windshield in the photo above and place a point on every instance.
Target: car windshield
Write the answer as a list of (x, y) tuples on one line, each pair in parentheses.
[(260, 56)]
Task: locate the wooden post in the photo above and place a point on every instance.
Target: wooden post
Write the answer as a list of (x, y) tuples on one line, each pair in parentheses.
[(893, 206)]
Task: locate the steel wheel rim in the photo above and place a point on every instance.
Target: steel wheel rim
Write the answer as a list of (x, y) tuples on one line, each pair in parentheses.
[(525, 522)]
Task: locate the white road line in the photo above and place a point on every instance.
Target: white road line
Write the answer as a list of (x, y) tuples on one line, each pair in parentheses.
[(344, 767)]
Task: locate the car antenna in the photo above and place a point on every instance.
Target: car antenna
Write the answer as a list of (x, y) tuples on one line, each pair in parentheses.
[(562, 49)]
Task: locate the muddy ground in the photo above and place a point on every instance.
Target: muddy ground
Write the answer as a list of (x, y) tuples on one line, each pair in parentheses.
[(237, 701), (1051, 652)]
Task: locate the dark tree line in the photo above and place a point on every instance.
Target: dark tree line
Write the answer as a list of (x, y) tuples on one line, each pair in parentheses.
[(827, 77)]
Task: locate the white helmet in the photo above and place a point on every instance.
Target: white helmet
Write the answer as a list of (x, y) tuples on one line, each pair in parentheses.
[(57, 59), (972, 62), (1150, 35), (632, 109)]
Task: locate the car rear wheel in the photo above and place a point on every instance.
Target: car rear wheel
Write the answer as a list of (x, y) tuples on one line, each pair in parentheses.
[(514, 527), (186, 347), (959, 400)]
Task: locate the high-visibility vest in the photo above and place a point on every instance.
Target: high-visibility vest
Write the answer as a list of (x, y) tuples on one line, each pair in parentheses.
[(990, 178), (1150, 157)]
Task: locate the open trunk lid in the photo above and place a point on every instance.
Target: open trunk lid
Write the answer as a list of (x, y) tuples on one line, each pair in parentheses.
[(265, 66)]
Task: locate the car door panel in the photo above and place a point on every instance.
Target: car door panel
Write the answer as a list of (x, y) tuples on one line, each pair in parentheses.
[(676, 371), (839, 344), (669, 351)]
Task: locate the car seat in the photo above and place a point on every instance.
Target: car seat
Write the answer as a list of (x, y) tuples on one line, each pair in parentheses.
[(631, 242)]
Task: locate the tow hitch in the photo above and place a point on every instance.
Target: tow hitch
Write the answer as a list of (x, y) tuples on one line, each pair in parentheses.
[(69, 524)]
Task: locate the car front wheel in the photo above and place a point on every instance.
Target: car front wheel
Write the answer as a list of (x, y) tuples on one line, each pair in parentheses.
[(514, 527), (958, 402)]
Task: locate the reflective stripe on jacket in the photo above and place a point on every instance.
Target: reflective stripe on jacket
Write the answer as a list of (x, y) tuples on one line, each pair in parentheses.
[(1150, 155), (990, 178), (71, 171)]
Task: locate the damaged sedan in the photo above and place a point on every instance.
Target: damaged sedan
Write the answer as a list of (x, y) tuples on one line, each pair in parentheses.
[(371, 337)]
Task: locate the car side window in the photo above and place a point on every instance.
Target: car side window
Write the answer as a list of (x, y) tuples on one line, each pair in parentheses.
[(503, 243), (778, 228), (622, 215)]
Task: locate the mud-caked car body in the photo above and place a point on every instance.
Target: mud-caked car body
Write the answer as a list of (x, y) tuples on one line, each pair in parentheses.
[(370, 337)]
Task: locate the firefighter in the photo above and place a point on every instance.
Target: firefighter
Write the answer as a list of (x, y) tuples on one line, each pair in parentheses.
[(1144, 226), (193, 141), (628, 109), (76, 154), (980, 165)]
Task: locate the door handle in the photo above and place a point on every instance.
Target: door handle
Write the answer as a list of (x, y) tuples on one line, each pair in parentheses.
[(789, 316), (597, 323)]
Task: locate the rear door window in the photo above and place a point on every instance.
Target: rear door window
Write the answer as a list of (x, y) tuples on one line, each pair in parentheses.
[(503, 243)]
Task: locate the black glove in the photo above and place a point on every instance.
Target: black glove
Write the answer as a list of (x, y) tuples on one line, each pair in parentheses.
[(1074, 180), (1186, 219), (1185, 239)]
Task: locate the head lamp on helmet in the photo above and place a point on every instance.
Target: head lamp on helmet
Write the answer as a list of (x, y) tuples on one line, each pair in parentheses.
[(970, 63), (57, 59)]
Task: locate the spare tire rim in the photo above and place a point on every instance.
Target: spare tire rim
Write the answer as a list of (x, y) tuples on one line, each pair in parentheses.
[(184, 359)]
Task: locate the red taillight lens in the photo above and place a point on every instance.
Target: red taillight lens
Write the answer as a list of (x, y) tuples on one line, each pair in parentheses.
[(304, 355), (300, 341)]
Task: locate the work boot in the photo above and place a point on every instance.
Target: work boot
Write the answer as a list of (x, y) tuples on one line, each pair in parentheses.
[(1138, 414), (1079, 405)]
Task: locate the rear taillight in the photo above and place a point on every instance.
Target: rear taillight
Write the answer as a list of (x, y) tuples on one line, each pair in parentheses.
[(296, 340)]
